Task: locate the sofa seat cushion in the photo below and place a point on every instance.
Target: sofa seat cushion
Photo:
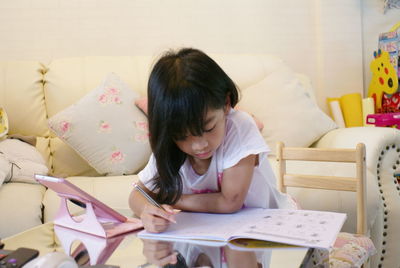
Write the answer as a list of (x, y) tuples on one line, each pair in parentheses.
[(21, 202), (112, 190)]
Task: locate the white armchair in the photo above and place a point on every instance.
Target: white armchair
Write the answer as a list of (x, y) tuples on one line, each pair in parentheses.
[(383, 165)]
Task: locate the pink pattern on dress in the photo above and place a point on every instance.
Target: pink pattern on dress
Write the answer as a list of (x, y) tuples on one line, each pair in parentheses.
[(206, 191), (219, 178), (203, 191)]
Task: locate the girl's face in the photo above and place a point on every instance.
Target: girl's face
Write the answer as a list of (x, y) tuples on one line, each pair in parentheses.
[(203, 147)]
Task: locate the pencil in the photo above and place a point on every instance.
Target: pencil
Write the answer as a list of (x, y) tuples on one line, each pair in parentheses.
[(148, 197)]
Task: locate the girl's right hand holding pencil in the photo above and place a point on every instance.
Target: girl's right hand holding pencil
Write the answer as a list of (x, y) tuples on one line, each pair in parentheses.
[(156, 219)]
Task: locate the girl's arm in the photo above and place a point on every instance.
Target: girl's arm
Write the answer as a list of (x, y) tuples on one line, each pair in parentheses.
[(234, 187), (137, 201)]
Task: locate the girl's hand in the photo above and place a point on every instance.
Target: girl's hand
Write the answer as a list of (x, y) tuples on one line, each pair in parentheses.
[(159, 253), (157, 220)]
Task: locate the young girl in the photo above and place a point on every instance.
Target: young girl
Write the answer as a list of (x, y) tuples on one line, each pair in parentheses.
[(207, 157)]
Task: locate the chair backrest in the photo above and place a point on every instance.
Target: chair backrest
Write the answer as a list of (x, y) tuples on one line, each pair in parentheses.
[(355, 184)]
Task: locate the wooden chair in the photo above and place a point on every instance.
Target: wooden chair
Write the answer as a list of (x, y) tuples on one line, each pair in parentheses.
[(355, 184)]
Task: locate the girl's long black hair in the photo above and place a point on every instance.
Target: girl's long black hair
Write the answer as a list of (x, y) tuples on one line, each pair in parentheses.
[(181, 87)]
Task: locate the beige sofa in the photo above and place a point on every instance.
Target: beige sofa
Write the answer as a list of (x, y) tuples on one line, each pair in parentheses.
[(32, 92)]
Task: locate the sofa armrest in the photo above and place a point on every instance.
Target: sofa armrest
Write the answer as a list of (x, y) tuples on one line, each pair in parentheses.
[(377, 140), (383, 163)]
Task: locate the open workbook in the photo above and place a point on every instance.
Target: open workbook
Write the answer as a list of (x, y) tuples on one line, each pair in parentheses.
[(316, 229)]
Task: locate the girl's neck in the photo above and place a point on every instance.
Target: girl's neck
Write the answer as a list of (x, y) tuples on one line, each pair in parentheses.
[(200, 166)]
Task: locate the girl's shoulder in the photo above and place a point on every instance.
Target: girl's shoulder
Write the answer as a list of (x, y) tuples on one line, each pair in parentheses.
[(238, 118), (242, 138), (241, 126)]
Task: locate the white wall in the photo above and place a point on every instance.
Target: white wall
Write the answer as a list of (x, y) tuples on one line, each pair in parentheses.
[(321, 38), (374, 22)]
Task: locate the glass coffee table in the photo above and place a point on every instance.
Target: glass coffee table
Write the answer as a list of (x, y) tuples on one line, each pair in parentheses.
[(130, 251)]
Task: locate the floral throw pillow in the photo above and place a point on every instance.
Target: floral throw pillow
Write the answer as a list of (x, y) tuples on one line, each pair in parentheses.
[(106, 128)]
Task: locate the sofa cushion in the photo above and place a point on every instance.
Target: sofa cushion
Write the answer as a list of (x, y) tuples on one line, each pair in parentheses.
[(21, 86), (288, 112), (21, 206), (65, 161), (106, 128)]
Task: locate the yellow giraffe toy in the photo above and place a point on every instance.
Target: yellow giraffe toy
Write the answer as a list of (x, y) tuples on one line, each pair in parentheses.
[(384, 78)]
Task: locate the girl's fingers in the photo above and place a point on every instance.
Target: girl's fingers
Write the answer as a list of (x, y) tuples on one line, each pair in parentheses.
[(154, 223), (156, 219), (161, 213), (170, 209)]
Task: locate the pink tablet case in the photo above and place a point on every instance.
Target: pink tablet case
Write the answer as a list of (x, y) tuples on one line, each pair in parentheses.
[(99, 219)]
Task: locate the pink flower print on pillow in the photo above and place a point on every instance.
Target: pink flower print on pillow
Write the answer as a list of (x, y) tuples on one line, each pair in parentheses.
[(111, 95), (104, 126), (142, 126), (142, 137), (64, 127), (103, 98), (117, 100), (112, 91), (219, 178), (117, 157)]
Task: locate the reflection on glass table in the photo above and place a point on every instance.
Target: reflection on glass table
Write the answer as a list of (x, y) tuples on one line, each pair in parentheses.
[(130, 251)]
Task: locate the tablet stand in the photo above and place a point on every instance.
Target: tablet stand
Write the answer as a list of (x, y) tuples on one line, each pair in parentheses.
[(101, 224), (86, 223)]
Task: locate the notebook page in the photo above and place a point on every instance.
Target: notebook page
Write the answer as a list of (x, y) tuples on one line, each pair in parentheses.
[(308, 228), (206, 226)]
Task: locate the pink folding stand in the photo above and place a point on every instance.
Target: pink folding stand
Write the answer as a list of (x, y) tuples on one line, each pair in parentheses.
[(94, 221)]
